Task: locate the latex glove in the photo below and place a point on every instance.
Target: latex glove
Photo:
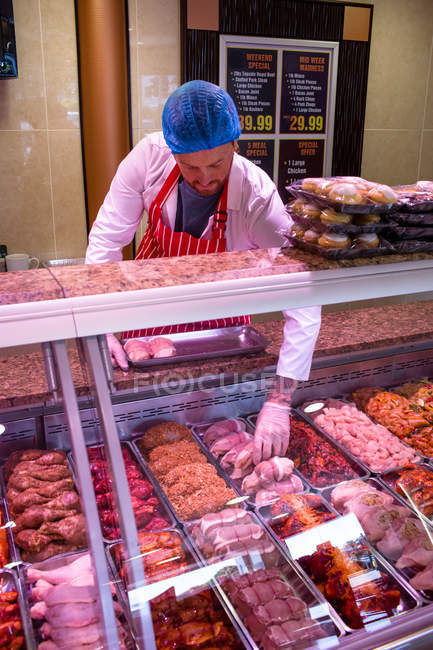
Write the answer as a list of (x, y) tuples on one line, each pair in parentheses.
[(272, 432), (117, 353)]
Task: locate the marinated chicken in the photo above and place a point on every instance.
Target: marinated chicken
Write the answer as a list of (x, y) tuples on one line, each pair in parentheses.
[(357, 601), (43, 503), (11, 628), (294, 513), (316, 458)]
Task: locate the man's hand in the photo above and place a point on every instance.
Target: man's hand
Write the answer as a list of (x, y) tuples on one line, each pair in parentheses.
[(273, 425), (272, 432), (117, 353)]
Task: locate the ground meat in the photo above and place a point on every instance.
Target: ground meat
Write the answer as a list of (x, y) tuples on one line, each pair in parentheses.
[(163, 433), (179, 452)]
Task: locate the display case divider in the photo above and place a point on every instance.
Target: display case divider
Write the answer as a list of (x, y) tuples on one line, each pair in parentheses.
[(141, 613), (87, 494), (50, 371)]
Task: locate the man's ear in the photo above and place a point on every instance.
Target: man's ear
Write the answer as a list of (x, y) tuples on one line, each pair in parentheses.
[(236, 146)]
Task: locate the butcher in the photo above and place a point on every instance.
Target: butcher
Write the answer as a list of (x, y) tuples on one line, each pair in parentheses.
[(202, 197)]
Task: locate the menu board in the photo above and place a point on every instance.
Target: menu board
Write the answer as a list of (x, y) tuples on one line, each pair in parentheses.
[(260, 152), (299, 159), (284, 91), (304, 93), (252, 84)]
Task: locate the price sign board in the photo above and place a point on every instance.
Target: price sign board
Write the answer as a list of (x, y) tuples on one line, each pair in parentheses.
[(299, 159), (304, 91), (284, 91), (260, 152), (252, 83)]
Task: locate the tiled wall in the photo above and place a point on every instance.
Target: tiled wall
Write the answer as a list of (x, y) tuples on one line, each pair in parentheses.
[(41, 181), (41, 184)]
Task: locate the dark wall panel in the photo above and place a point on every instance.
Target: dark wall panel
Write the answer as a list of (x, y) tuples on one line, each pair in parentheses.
[(300, 19)]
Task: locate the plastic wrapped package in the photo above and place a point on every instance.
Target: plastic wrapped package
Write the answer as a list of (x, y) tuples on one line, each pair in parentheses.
[(416, 197), (349, 194), (346, 251)]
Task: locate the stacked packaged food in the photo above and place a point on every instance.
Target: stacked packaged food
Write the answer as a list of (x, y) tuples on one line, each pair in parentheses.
[(348, 216)]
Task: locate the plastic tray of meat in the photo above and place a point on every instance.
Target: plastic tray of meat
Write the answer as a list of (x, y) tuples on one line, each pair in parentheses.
[(15, 629), (320, 461), (231, 452), (275, 605), (150, 510), (182, 616), (377, 459), (391, 527), (410, 420), (222, 342), (413, 485), (191, 482), (360, 585), (48, 539), (293, 514), (165, 554), (54, 589)]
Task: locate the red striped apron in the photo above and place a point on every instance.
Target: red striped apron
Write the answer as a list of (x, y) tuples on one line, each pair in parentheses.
[(161, 241)]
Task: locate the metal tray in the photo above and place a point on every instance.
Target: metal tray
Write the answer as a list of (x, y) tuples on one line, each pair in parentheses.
[(212, 462), (166, 512), (407, 573), (10, 581), (387, 479), (319, 608), (198, 578), (235, 484), (358, 467), (340, 446), (410, 598), (54, 563), (205, 344), (15, 553), (263, 513)]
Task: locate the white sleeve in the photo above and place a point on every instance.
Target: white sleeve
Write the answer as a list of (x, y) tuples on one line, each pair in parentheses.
[(120, 214), (268, 220), (300, 334)]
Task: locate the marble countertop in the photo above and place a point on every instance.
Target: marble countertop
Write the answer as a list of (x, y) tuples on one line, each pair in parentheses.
[(96, 279), (23, 375)]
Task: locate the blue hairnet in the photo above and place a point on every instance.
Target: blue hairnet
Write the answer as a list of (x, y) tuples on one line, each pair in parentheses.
[(199, 115)]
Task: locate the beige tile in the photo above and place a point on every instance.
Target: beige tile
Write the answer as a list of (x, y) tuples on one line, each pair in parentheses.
[(391, 156), (26, 223), (22, 100), (426, 158), (399, 60), (158, 72), (60, 62), (68, 194), (27, 23)]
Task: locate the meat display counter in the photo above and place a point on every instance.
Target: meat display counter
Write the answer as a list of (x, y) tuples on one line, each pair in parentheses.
[(291, 554)]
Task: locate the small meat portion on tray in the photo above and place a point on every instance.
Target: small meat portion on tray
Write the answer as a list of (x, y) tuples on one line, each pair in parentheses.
[(64, 603), (158, 347), (148, 511), (358, 595), (415, 484), (11, 627), (294, 513), (43, 503), (372, 443), (316, 458), (163, 556), (271, 610), (232, 533), (195, 620)]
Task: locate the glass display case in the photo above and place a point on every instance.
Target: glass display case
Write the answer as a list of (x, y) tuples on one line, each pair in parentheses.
[(136, 518)]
